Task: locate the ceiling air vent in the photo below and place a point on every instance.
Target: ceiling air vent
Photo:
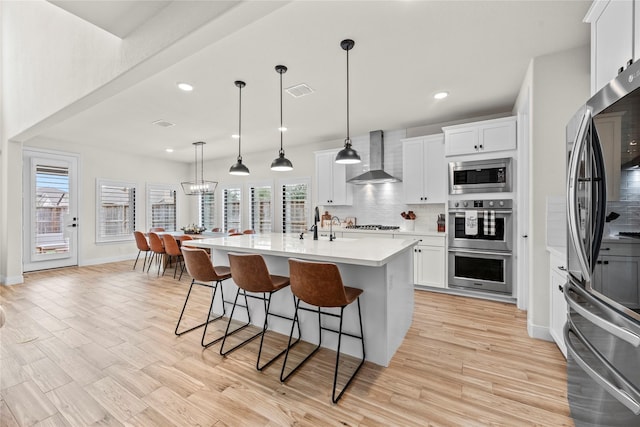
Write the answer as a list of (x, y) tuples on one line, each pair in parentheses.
[(163, 123), (299, 90)]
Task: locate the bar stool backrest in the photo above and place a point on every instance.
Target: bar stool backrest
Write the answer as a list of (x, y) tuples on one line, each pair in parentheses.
[(250, 272), (199, 265), (317, 283)]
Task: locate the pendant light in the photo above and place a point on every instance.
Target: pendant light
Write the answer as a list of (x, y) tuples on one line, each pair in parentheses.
[(238, 168), (347, 155), (199, 185), (281, 164)]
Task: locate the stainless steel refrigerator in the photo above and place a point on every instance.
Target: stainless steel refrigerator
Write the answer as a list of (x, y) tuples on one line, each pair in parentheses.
[(602, 333)]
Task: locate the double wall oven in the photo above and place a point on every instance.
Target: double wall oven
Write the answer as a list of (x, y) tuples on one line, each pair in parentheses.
[(481, 245)]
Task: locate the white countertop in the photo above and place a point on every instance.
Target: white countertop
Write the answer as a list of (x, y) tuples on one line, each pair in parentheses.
[(369, 251)]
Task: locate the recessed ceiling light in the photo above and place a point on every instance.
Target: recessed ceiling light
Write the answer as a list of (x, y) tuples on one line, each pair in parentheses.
[(441, 95), (235, 136), (185, 87), (163, 123), (169, 150), (282, 129)]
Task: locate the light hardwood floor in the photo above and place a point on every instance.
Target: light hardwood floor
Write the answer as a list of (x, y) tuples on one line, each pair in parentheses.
[(95, 346)]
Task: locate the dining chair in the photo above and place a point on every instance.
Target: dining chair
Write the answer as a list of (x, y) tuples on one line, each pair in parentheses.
[(232, 230), (250, 231), (235, 234), (155, 243), (251, 275), (319, 284), (172, 249), (216, 230), (143, 246)]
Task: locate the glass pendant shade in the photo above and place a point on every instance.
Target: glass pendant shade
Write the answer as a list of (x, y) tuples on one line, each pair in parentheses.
[(239, 168), (347, 156), (281, 164), (199, 185)]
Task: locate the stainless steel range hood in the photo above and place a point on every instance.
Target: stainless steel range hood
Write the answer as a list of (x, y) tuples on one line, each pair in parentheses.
[(376, 173)]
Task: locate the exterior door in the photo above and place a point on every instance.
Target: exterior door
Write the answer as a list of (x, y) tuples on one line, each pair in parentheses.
[(50, 209)]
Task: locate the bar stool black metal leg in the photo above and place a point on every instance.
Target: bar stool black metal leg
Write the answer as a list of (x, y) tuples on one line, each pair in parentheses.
[(335, 399), (206, 324), (227, 333), (213, 296), (284, 377), (267, 305)]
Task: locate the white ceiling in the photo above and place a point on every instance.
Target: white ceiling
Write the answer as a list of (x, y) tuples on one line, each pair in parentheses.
[(404, 52)]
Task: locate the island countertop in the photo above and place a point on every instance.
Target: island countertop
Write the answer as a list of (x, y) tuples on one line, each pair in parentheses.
[(371, 251)]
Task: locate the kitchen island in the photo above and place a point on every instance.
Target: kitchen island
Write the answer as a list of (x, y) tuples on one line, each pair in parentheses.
[(381, 267)]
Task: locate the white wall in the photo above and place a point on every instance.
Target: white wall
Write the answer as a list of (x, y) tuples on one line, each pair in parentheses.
[(559, 85)]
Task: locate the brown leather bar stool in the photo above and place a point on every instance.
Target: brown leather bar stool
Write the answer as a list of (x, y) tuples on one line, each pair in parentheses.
[(157, 247), (203, 273), (250, 273), (320, 284), (143, 246)]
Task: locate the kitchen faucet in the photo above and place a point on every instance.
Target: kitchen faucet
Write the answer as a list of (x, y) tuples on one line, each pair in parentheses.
[(332, 237)]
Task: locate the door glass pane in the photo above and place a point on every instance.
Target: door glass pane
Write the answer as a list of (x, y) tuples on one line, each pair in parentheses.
[(51, 205)]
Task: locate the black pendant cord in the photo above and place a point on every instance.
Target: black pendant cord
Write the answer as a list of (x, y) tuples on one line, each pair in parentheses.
[(281, 125), (348, 139), (240, 123)]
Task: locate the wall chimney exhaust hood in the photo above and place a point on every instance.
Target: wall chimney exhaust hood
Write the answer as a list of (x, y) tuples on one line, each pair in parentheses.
[(376, 174)]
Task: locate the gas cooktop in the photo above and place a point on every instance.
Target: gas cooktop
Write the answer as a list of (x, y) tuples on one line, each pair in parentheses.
[(373, 227)]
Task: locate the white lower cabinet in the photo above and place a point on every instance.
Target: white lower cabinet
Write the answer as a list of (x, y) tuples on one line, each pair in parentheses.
[(558, 309), (428, 260)]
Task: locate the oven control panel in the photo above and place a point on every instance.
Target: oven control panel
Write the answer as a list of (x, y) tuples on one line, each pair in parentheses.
[(481, 204)]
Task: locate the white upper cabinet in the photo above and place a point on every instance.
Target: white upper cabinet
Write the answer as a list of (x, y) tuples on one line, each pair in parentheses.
[(612, 39), (424, 170), (480, 137), (331, 180)]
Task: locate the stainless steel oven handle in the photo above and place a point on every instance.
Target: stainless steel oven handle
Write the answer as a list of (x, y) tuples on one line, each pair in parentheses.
[(621, 395), (619, 331), (572, 199), (474, 251)]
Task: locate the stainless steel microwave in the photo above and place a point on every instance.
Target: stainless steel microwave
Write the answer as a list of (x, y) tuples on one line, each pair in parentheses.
[(480, 176)]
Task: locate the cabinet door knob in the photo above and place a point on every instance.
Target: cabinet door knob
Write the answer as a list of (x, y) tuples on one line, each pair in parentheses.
[(606, 263), (481, 146), (561, 267), (475, 147), (605, 249), (560, 288)]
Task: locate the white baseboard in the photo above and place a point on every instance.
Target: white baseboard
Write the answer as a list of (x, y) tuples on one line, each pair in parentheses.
[(539, 332), (96, 261), (12, 280)]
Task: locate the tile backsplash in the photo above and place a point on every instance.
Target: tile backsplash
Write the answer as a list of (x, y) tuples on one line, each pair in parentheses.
[(628, 207)]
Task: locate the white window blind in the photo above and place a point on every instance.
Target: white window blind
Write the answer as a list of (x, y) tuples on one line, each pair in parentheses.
[(208, 211), (231, 209), (260, 209), (161, 206), (295, 207), (115, 211)]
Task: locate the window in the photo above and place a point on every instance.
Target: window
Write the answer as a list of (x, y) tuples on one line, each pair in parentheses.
[(231, 208), (116, 213), (161, 206), (208, 211), (260, 208), (295, 206)]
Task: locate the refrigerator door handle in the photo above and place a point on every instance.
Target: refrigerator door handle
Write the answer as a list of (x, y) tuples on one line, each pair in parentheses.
[(621, 395), (572, 199), (620, 332)]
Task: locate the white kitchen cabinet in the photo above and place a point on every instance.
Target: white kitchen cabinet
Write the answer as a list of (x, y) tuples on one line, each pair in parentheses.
[(613, 31), (480, 137), (428, 260), (616, 273), (424, 170), (558, 309), (331, 180)]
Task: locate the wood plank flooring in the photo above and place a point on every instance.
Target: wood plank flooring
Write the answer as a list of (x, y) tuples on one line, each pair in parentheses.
[(95, 346)]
